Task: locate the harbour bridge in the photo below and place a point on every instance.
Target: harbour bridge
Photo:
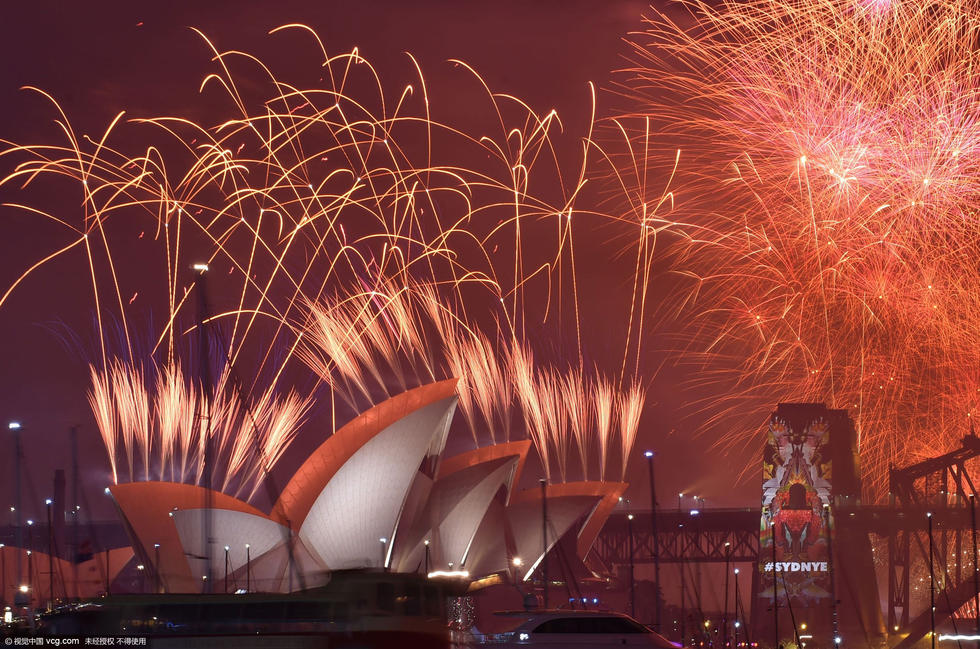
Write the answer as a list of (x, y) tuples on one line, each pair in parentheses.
[(931, 506)]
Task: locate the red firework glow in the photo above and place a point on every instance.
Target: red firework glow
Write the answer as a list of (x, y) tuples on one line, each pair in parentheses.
[(829, 166)]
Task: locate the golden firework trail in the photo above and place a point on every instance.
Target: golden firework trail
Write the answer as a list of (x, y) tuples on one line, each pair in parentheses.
[(347, 235)]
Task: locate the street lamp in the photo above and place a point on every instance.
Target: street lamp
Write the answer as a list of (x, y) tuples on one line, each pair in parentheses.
[(737, 622), (15, 427), (654, 541), (775, 589), (629, 527), (427, 556), (248, 567), (157, 582), (3, 576), (226, 567), (47, 504), (384, 546), (932, 589)]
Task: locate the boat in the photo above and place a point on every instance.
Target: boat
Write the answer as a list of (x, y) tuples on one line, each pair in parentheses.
[(356, 608)]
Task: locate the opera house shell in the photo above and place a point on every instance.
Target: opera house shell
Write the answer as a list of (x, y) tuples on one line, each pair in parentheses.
[(378, 493)]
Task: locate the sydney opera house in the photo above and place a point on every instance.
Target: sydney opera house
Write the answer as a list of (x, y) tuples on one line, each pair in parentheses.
[(378, 493)]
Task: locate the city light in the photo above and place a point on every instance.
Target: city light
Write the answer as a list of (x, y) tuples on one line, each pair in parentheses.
[(14, 425)]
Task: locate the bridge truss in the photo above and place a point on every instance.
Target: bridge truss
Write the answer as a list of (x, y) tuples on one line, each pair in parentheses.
[(940, 488)]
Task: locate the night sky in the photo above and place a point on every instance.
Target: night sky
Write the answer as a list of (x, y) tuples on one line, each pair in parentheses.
[(103, 57)]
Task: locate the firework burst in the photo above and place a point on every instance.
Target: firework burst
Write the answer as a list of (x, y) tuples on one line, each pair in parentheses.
[(827, 222), (346, 233)]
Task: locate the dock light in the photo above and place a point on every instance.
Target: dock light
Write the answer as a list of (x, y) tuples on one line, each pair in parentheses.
[(30, 522), (629, 516), (248, 546), (803, 626), (426, 542), (837, 640), (201, 268), (462, 574), (107, 492), (156, 545), (140, 567), (648, 454), (695, 512), (517, 562), (737, 624), (707, 623), (383, 540), (48, 501), (736, 571), (24, 588), (227, 548), (14, 425)]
